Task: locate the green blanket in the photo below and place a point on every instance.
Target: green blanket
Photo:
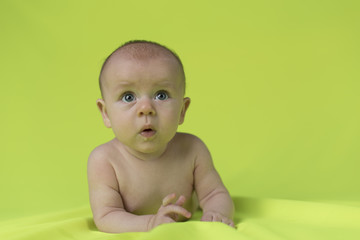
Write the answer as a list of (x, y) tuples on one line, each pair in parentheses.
[(270, 219)]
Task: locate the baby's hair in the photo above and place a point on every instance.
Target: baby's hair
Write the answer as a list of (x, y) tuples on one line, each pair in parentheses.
[(140, 49)]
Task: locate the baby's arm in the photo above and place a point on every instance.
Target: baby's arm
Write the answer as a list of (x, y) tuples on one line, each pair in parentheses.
[(107, 205), (214, 199)]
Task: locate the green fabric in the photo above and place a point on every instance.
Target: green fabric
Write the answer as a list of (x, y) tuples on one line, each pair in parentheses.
[(271, 219)]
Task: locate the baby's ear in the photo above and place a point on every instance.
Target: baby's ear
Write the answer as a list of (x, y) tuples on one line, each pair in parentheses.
[(186, 103), (101, 105)]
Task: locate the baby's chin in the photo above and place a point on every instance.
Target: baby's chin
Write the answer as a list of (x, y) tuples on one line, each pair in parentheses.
[(147, 147), (148, 150)]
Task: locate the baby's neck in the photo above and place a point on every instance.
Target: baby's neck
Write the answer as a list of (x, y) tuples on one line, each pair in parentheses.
[(130, 153)]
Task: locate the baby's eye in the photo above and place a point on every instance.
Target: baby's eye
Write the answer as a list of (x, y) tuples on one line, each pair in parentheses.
[(161, 96), (128, 97)]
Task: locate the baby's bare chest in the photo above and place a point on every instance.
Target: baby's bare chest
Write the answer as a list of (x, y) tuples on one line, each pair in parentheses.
[(143, 186)]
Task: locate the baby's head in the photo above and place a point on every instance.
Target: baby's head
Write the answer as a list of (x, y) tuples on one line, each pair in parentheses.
[(143, 85), (141, 50)]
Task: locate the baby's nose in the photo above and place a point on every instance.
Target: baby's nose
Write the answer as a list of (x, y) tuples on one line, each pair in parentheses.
[(146, 108)]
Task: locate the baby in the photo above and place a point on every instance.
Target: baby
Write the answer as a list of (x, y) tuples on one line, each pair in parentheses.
[(150, 174)]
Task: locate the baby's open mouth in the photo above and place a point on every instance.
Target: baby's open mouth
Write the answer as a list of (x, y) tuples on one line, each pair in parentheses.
[(148, 132)]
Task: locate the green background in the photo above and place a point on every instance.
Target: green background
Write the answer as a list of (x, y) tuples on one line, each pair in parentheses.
[(274, 86)]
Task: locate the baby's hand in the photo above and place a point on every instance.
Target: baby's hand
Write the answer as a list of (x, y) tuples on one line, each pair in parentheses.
[(169, 212), (217, 217)]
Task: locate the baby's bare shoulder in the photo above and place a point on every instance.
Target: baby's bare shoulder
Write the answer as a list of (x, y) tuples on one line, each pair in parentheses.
[(99, 167), (188, 138), (190, 141), (100, 152), (197, 147), (101, 156)]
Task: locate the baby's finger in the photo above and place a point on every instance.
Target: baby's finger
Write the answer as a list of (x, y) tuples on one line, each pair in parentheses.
[(217, 218), (207, 218), (227, 221), (168, 199), (181, 200), (171, 209), (168, 220), (232, 224)]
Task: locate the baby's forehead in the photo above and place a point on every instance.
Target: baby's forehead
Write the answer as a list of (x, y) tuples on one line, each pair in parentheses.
[(140, 53), (128, 72), (128, 66)]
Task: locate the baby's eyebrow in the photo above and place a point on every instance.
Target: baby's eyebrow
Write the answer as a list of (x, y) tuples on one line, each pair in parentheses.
[(168, 84), (125, 83), (160, 84)]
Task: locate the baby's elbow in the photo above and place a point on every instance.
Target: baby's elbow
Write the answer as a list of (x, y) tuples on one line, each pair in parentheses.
[(101, 227), (104, 227), (101, 223), (109, 222)]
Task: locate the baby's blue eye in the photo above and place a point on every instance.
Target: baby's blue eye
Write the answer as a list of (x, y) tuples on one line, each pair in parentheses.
[(128, 97), (161, 96)]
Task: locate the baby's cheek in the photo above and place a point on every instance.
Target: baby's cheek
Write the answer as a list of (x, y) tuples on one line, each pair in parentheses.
[(123, 129), (171, 123)]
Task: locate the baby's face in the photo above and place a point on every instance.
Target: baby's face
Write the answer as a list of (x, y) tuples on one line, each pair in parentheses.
[(144, 100)]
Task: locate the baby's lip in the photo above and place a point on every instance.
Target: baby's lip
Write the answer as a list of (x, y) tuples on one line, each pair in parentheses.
[(147, 131), (147, 127)]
